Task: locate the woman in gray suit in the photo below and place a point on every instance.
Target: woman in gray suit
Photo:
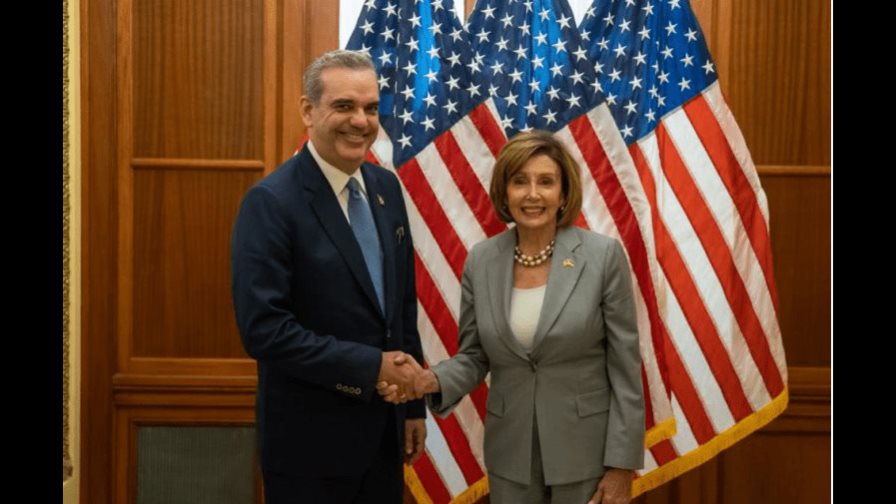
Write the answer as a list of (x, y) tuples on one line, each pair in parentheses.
[(547, 307)]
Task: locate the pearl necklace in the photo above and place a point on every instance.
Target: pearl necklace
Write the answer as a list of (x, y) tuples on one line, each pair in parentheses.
[(533, 260)]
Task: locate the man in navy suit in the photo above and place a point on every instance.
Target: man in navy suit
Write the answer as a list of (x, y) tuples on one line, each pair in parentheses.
[(325, 309)]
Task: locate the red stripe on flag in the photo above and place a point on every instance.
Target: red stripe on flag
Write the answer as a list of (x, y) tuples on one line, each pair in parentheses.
[(488, 128), (460, 447), (688, 398), (434, 305), (581, 222), (663, 452), (468, 183), (431, 480), (648, 404), (732, 175), (479, 395), (431, 212), (707, 229), (624, 217)]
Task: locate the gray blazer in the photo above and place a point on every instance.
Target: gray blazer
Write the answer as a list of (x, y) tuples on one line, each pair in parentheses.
[(582, 380)]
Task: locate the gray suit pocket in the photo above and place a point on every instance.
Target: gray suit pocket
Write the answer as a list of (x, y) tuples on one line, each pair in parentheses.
[(593, 402), (495, 404)]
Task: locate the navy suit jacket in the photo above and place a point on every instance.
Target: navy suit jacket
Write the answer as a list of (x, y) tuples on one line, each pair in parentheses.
[(307, 312)]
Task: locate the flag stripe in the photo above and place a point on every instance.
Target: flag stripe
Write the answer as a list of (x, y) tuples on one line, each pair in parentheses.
[(435, 308), (460, 448), (430, 478), (732, 175), (719, 255), (489, 130), (444, 462), (468, 184), (448, 196), (434, 216), (688, 397), (684, 345), (663, 452), (476, 150), (698, 316)]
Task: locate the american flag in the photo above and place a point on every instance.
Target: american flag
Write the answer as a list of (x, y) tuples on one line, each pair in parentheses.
[(632, 92)]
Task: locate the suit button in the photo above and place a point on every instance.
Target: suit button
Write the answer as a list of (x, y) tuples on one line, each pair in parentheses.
[(388, 333)]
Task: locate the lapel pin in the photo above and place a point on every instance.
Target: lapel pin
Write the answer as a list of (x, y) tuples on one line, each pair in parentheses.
[(380, 200), (567, 263), (399, 233)]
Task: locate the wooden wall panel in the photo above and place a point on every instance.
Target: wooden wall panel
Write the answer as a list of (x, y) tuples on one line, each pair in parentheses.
[(198, 72), (310, 28), (182, 222), (774, 62), (800, 223)]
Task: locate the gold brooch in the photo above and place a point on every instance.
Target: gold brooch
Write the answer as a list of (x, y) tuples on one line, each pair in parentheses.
[(567, 263)]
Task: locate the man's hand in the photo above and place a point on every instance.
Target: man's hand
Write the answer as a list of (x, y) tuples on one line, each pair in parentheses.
[(425, 382), (614, 488), (414, 438), (398, 372)]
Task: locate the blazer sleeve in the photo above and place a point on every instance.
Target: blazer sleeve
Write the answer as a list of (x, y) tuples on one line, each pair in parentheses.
[(459, 375), (624, 446), (262, 275)]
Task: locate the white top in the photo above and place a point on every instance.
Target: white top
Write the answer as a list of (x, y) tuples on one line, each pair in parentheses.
[(525, 307), (338, 179)]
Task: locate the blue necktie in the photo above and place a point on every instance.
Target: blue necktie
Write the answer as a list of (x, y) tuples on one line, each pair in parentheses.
[(368, 239)]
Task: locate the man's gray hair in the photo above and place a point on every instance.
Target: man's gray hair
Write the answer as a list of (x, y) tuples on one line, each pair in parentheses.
[(339, 58)]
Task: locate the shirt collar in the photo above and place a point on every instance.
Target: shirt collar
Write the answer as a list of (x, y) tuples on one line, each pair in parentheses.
[(336, 177)]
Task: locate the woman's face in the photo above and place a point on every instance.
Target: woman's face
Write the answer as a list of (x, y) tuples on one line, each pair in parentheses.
[(535, 194)]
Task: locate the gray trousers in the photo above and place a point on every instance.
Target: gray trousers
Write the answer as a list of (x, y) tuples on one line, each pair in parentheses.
[(504, 491)]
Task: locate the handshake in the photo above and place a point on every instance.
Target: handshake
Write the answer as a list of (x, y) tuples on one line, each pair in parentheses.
[(402, 379)]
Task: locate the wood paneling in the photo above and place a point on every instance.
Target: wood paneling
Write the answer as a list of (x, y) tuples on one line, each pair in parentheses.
[(198, 79), (99, 257), (310, 28), (800, 222), (774, 64), (182, 225)]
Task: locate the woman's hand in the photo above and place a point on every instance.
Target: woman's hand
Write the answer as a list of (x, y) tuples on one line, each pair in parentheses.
[(615, 487)]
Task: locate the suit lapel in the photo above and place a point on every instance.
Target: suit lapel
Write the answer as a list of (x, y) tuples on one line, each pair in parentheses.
[(500, 283), (566, 268), (378, 206), (335, 225)]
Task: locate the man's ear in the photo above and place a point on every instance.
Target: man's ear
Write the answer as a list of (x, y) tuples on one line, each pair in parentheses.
[(305, 107)]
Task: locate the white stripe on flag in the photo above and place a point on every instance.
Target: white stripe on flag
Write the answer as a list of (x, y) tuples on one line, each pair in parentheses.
[(684, 438), (735, 137), (432, 258), (475, 149), (449, 197), (443, 459)]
